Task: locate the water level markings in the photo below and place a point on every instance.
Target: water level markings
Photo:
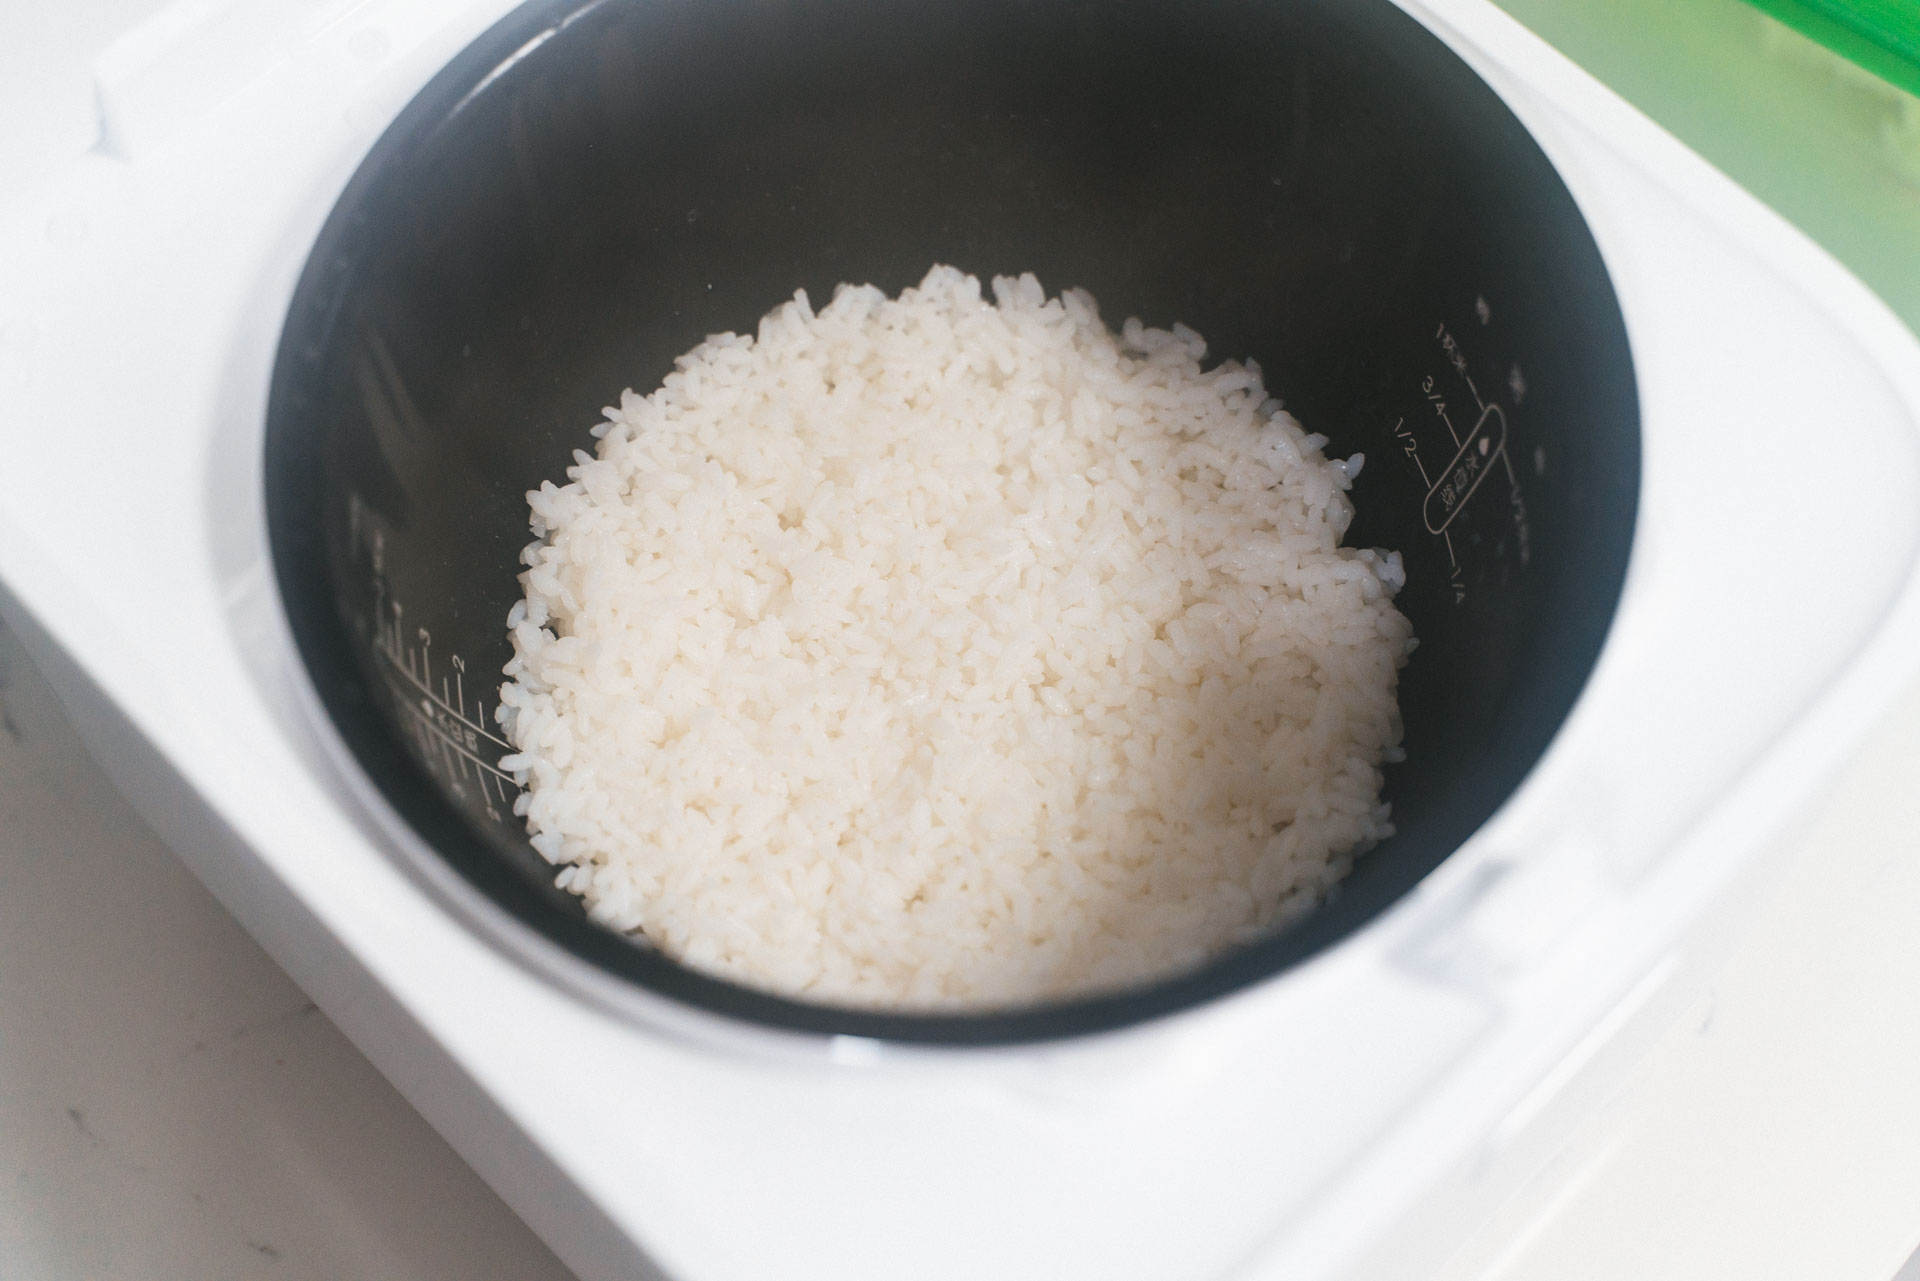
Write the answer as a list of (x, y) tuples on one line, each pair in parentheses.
[(1449, 490), (442, 726)]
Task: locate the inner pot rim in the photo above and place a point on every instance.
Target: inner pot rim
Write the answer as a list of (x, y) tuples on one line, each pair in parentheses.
[(585, 957)]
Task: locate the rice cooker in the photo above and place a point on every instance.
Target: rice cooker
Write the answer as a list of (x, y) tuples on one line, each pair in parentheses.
[(338, 283)]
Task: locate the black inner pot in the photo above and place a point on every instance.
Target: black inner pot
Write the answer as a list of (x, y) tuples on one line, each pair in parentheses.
[(591, 188)]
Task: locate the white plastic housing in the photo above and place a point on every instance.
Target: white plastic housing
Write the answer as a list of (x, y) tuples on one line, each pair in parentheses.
[(1337, 1118)]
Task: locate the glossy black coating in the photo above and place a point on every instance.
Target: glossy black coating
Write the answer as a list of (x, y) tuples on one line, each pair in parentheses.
[(591, 188)]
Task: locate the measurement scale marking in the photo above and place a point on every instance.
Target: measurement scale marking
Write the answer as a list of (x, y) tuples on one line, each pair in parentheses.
[(422, 739), (1463, 475), (1476, 393), (1474, 453), (457, 714), (1411, 450), (454, 771), (467, 767), (426, 725)]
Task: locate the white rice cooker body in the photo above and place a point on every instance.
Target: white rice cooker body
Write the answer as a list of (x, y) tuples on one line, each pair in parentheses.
[(1343, 1119)]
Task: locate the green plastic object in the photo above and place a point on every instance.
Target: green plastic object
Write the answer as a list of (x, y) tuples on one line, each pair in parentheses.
[(1882, 36), (1833, 147)]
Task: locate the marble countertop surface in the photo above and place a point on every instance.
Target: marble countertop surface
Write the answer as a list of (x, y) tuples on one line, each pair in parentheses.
[(172, 1107)]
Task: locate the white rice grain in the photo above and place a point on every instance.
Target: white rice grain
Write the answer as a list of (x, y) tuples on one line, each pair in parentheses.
[(949, 652)]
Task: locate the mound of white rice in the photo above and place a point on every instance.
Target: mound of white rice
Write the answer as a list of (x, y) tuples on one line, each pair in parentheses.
[(939, 652)]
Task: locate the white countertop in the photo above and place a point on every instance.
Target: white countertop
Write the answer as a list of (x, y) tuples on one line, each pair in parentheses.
[(172, 1107)]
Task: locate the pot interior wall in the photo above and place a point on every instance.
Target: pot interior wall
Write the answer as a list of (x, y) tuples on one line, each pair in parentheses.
[(591, 189)]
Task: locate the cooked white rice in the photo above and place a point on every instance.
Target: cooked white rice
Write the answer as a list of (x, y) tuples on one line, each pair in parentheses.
[(939, 652)]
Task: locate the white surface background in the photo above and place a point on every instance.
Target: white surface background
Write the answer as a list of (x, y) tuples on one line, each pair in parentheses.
[(171, 1106)]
